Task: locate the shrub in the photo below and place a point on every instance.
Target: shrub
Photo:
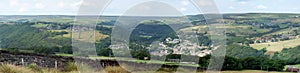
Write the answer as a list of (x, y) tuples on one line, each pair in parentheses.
[(34, 67), (71, 66), (7, 68), (115, 69)]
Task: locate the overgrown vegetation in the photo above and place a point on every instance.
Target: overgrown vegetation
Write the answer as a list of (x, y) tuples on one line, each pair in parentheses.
[(290, 55), (8, 68)]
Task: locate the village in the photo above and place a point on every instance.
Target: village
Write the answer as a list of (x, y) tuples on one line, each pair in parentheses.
[(181, 47), (277, 37)]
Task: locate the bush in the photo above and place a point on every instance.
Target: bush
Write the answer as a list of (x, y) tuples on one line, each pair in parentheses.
[(7, 68), (34, 67), (71, 67), (115, 69)]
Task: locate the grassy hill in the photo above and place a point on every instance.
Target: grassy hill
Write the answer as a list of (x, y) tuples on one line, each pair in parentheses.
[(277, 46), (237, 29), (98, 35)]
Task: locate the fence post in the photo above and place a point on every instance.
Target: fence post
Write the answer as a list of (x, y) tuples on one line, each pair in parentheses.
[(55, 64), (22, 62)]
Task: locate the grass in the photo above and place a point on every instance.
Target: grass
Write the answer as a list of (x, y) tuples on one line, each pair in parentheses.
[(40, 25), (135, 60), (284, 31), (277, 46), (59, 30), (65, 35), (239, 30), (59, 20), (86, 35), (295, 20), (68, 55), (8, 68), (115, 69), (71, 66)]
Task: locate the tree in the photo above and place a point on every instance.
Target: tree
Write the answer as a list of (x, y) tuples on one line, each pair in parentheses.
[(240, 51), (66, 49), (105, 52)]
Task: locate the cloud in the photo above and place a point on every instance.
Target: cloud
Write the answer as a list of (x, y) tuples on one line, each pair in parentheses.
[(261, 7), (119, 6), (61, 4), (243, 2), (24, 7), (183, 9), (295, 8), (77, 4), (231, 7), (153, 8), (39, 6), (185, 2), (204, 2), (13, 2)]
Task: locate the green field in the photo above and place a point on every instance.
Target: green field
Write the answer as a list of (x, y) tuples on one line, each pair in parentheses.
[(240, 29), (87, 35), (135, 60), (277, 46), (40, 25), (284, 31), (81, 36)]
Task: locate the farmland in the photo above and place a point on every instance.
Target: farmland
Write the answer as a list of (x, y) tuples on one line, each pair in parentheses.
[(277, 46), (246, 37)]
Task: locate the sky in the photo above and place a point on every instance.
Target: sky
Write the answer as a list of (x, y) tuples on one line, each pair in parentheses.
[(118, 7)]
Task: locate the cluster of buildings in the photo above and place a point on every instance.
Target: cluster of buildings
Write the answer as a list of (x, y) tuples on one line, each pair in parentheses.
[(180, 47), (275, 38)]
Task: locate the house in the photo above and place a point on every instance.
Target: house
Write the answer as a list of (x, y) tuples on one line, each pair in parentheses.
[(292, 69)]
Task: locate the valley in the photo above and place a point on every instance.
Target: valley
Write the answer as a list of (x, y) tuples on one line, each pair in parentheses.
[(254, 41)]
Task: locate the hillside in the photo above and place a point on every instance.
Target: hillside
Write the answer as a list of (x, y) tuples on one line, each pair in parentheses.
[(246, 36), (277, 46)]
